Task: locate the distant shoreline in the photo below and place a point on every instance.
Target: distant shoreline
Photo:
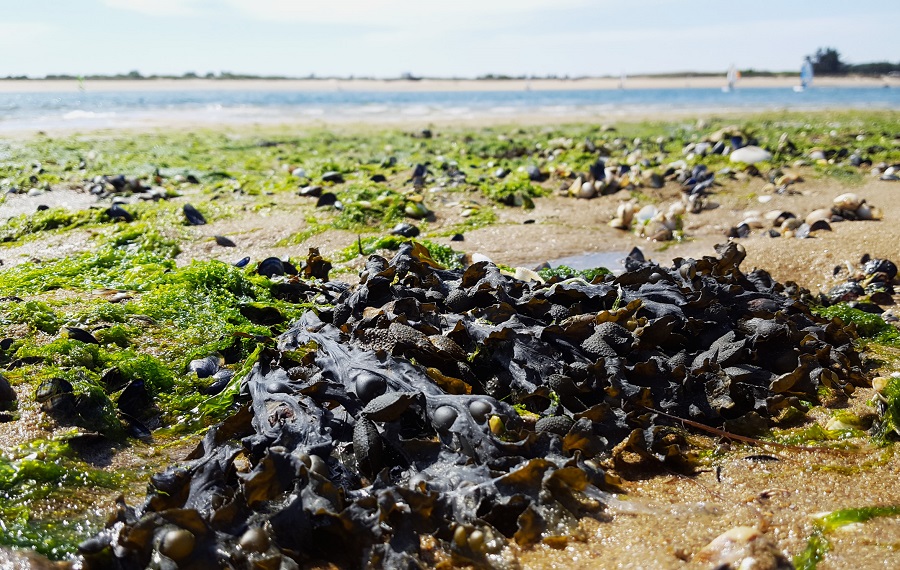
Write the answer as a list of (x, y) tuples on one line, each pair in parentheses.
[(424, 85)]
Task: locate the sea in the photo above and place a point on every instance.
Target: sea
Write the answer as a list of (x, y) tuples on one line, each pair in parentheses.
[(23, 111)]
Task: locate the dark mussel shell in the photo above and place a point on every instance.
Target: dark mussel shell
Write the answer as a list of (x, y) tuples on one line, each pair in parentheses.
[(270, 267), (193, 215)]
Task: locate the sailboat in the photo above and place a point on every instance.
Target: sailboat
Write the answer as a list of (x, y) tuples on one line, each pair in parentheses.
[(806, 76), (732, 77)]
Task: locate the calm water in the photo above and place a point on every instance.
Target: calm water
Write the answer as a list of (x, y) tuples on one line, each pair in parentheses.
[(22, 111)]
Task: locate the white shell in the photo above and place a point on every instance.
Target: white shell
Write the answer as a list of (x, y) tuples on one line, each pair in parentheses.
[(753, 222), (575, 188), (867, 212), (625, 212), (820, 214), (676, 209), (848, 201), (750, 155), (791, 224), (587, 190), (525, 274), (646, 213)]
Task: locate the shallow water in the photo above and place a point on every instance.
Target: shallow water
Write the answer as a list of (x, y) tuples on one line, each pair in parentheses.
[(87, 109), (612, 260)]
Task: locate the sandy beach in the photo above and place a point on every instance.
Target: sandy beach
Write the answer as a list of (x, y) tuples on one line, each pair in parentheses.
[(424, 85)]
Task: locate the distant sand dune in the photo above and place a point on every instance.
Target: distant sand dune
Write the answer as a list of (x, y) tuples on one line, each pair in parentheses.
[(57, 86)]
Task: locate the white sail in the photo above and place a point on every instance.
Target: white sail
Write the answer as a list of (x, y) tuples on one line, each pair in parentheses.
[(806, 76), (731, 77)]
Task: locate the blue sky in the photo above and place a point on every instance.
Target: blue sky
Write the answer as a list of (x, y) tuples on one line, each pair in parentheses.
[(461, 38)]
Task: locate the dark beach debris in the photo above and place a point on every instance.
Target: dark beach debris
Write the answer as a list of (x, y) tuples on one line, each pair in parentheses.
[(193, 216), (410, 408), (405, 229), (78, 334), (8, 396), (224, 241), (333, 177), (117, 212)]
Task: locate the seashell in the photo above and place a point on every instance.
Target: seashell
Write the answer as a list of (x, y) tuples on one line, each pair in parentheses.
[(816, 154), (405, 230), (7, 393), (646, 214), (117, 212), (741, 547), (876, 265), (657, 232), (753, 222), (480, 257), (676, 209), (625, 212), (525, 274), (575, 187), (78, 334), (270, 267), (205, 367), (587, 191), (193, 216), (619, 224), (848, 201), (822, 214), (790, 224), (867, 212), (416, 210), (819, 225), (750, 155)]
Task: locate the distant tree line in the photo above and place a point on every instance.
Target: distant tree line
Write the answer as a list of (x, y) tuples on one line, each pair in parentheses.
[(827, 61), (137, 75)]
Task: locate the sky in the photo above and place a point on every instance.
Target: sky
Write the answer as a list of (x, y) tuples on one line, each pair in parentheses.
[(455, 38)]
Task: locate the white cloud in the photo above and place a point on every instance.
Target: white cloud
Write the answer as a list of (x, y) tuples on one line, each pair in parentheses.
[(395, 13), (156, 7)]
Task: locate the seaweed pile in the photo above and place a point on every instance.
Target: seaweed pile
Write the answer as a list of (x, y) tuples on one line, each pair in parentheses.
[(472, 408)]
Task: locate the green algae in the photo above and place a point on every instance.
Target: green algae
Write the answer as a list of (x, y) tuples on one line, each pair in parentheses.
[(869, 326), (23, 225), (443, 255), (44, 492), (889, 422), (563, 272), (176, 313), (818, 545)]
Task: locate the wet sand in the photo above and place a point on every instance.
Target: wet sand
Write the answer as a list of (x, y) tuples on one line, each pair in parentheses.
[(677, 515)]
